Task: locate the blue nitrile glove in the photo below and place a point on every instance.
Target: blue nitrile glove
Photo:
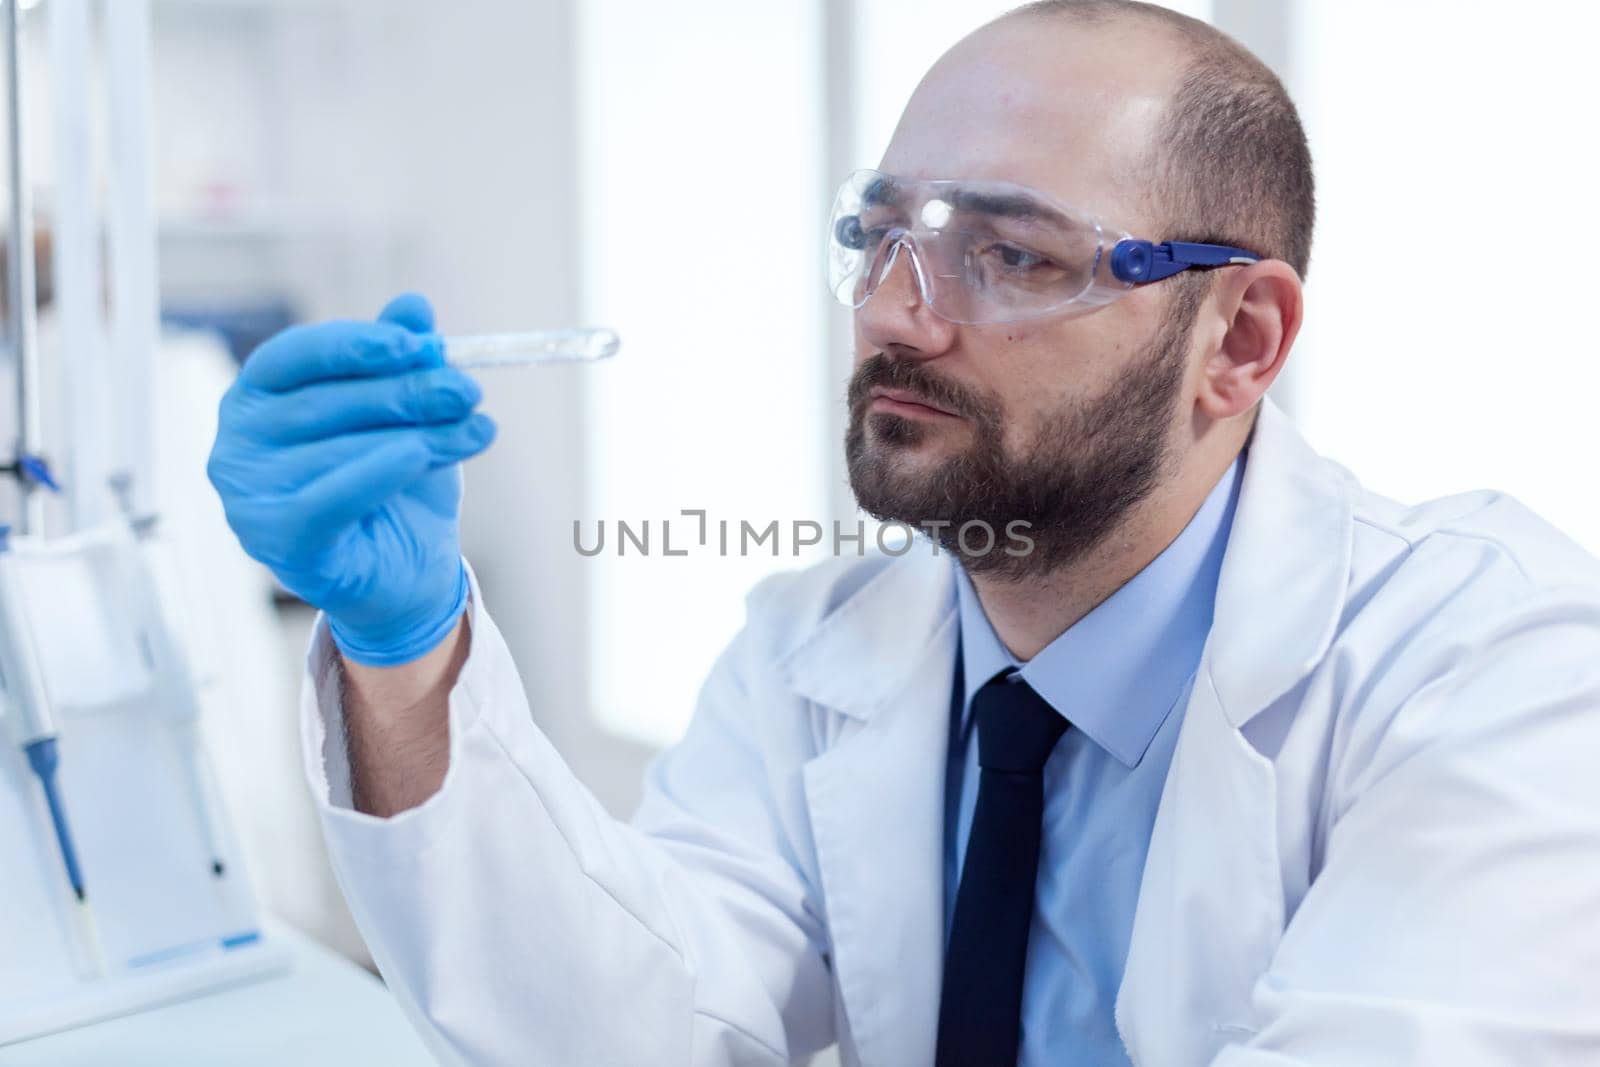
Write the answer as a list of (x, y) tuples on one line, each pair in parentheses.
[(337, 459)]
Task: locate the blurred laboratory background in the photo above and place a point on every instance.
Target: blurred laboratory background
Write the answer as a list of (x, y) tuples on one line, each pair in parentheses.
[(547, 164)]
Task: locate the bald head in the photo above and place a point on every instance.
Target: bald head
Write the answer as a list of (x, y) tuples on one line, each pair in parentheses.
[(1228, 161), (1146, 117)]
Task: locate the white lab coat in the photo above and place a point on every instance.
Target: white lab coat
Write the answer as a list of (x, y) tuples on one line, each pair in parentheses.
[(1378, 843)]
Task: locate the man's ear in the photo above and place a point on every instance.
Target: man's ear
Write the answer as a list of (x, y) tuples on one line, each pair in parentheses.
[(1261, 306)]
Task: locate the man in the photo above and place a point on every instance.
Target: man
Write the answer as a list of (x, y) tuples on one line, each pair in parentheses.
[(1235, 762)]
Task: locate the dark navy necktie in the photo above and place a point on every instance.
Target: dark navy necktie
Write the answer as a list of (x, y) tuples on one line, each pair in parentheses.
[(980, 1006)]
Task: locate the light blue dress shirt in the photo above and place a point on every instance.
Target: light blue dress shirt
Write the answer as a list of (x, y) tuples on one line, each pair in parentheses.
[(1121, 675)]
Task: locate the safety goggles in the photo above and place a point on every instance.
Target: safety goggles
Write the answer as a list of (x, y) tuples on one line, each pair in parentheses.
[(986, 252)]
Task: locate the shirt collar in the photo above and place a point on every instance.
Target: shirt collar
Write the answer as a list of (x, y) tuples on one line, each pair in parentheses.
[(1117, 672)]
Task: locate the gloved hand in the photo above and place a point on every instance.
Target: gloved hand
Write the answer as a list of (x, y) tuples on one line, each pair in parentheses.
[(337, 459)]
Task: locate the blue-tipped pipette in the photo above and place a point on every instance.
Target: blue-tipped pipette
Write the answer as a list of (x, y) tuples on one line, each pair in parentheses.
[(28, 705), (43, 757)]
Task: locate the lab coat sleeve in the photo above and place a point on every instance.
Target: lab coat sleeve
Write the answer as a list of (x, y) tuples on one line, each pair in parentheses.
[(518, 923), (1456, 916)]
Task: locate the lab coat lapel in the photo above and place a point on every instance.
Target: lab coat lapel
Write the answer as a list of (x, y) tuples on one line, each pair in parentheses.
[(884, 662), (1211, 905), (1210, 908)]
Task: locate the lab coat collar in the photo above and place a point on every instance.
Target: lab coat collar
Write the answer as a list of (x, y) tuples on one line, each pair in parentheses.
[(867, 651), (1281, 589), (1287, 561)]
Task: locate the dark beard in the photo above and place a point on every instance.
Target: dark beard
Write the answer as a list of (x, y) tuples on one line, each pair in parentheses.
[(1083, 474)]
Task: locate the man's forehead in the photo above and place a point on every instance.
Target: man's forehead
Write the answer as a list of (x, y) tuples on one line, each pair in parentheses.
[(1069, 112)]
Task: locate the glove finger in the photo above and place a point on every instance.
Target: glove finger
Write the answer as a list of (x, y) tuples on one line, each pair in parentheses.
[(272, 476), (330, 409), (410, 310), (326, 351), (367, 479)]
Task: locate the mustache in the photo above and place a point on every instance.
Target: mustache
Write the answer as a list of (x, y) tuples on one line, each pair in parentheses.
[(911, 376)]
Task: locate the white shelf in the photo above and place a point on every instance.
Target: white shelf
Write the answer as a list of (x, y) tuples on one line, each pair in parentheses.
[(272, 222), (324, 1010), (253, 7)]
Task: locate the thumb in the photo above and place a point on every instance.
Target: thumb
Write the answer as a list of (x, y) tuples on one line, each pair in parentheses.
[(410, 310)]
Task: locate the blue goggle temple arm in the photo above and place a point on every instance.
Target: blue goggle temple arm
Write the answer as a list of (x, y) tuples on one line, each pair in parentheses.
[(1137, 262)]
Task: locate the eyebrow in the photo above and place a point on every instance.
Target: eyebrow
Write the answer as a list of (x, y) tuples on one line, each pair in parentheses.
[(1009, 205), (886, 192)]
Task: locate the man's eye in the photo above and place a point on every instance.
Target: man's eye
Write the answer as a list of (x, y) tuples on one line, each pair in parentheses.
[(848, 232), (1014, 257)]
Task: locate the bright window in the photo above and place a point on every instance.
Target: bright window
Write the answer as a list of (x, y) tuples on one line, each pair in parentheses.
[(1448, 343), (702, 129)]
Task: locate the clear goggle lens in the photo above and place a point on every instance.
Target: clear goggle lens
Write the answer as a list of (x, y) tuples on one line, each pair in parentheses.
[(979, 252)]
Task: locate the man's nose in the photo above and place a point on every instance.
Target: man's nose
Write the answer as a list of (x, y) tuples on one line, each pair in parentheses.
[(897, 314)]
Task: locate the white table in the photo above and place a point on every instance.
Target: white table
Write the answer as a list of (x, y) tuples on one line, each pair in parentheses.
[(324, 1011)]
